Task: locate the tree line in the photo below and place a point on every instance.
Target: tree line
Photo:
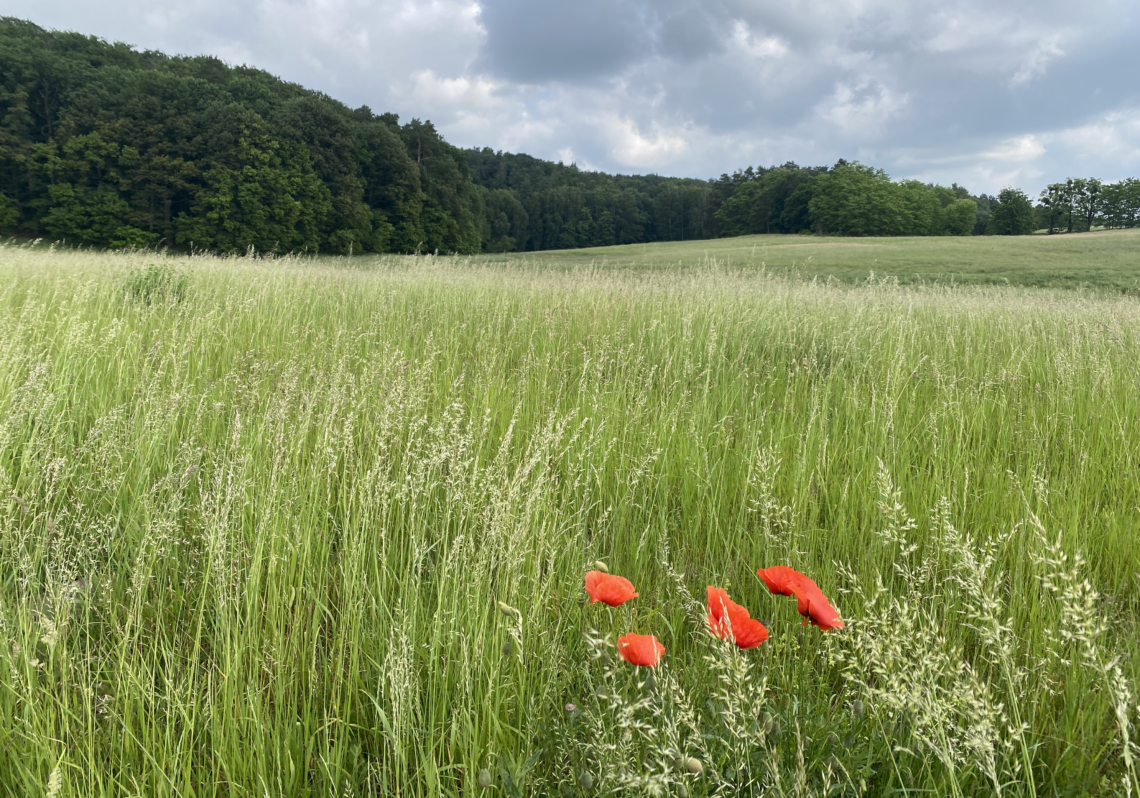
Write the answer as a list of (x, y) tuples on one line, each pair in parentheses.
[(105, 145), (1079, 204)]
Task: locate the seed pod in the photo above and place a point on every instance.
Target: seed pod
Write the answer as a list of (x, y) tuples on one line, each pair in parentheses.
[(857, 708), (601, 566), (694, 766), (586, 780), (484, 778)]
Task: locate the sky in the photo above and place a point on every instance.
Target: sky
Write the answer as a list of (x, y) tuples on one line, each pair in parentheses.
[(985, 93)]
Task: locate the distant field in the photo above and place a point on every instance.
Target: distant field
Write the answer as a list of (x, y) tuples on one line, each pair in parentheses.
[(257, 517), (1108, 260)]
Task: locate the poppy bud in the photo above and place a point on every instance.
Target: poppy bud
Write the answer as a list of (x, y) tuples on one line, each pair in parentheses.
[(769, 723), (484, 778), (506, 609), (694, 766), (833, 739), (507, 648), (601, 566), (857, 708), (682, 791), (586, 780)]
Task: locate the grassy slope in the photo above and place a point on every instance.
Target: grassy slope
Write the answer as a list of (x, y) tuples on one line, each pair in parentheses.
[(1108, 260), (252, 541)]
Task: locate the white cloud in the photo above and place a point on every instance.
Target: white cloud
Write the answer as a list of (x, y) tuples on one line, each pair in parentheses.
[(748, 43), (1115, 135), (632, 148), (1021, 149), (1037, 61), (862, 110)]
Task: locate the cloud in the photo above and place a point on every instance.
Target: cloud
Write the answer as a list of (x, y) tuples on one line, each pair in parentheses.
[(862, 110), (1016, 150), (1034, 65), (633, 148), (758, 48), (964, 90)]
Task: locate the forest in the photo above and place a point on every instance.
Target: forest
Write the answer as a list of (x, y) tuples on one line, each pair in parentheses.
[(104, 145)]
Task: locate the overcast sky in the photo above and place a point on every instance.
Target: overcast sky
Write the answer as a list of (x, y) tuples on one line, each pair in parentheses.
[(986, 93)]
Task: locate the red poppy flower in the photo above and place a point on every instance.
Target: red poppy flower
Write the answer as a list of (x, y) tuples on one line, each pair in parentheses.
[(612, 590), (817, 611), (782, 580), (730, 621), (641, 650), (810, 600)]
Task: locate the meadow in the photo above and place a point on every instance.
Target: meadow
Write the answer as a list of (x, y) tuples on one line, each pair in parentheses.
[(1104, 260), (295, 527)]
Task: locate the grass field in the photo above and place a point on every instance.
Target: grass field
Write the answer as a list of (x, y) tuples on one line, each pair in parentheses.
[(256, 517), (1106, 260)]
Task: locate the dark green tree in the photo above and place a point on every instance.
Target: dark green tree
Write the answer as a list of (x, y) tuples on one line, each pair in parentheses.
[(1012, 214)]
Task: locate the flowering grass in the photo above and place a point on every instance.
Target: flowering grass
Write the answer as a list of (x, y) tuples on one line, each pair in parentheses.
[(294, 528)]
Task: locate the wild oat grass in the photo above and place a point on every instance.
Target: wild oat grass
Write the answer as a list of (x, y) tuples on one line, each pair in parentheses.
[(256, 519)]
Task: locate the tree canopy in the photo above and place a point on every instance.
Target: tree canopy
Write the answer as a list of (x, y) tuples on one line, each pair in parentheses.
[(105, 145)]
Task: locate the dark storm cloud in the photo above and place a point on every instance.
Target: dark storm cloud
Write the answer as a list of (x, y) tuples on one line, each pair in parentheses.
[(970, 90)]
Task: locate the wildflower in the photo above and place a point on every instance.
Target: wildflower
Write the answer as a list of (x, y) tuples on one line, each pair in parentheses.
[(570, 707), (782, 580), (613, 590), (730, 621), (641, 650), (817, 611), (810, 600)]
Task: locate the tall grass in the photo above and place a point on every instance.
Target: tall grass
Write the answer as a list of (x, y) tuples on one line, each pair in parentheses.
[(256, 517)]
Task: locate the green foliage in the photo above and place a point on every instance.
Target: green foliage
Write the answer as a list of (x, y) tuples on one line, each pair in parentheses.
[(81, 215), (858, 200), (1012, 214), (156, 283), (1121, 206), (107, 146), (9, 213), (258, 192), (960, 216)]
